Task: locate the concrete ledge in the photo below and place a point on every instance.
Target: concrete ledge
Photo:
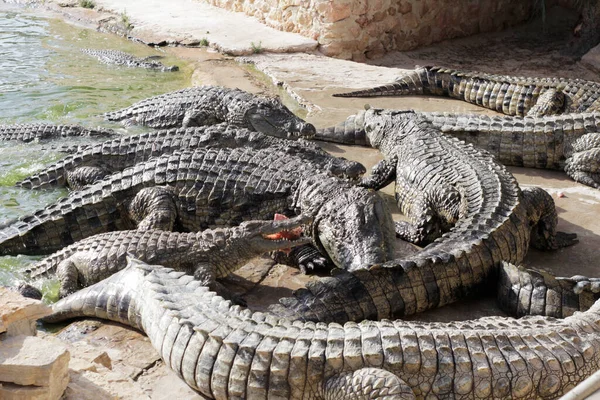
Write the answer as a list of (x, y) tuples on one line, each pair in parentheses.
[(229, 32)]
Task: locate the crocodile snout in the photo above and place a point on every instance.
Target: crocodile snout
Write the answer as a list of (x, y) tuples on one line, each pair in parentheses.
[(307, 130)]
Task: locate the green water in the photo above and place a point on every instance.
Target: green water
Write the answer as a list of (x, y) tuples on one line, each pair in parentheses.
[(45, 78)]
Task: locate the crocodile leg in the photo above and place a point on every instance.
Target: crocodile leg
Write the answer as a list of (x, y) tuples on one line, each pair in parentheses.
[(382, 174), (366, 384), (69, 275), (543, 221), (154, 208), (205, 273), (197, 117), (550, 102), (83, 176), (431, 212)]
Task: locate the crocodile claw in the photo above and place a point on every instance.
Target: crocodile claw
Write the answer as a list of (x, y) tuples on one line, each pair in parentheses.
[(563, 239)]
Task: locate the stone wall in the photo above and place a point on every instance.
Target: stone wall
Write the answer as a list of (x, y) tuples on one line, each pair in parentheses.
[(355, 29)]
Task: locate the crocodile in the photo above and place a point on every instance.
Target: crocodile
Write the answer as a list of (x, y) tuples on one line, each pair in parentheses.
[(569, 142), (195, 190), (227, 351), (209, 105), (437, 176), (120, 58), (506, 94), (94, 162), (207, 255), (30, 132)]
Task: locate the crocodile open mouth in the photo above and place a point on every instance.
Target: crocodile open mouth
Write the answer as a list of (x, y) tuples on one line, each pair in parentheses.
[(286, 234), (291, 234)]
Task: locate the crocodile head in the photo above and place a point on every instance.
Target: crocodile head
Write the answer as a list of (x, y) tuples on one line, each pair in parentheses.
[(270, 116), (259, 237), (352, 225), (378, 123)]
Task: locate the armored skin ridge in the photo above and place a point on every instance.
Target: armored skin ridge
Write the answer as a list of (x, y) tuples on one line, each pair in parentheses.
[(120, 58), (209, 105), (30, 132), (569, 142), (207, 255), (506, 94), (225, 351), (196, 190), (440, 182), (94, 162)]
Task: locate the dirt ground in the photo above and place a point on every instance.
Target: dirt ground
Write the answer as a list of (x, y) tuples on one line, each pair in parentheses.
[(310, 79)]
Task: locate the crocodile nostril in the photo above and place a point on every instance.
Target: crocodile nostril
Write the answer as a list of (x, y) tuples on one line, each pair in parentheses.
[(308, 130)]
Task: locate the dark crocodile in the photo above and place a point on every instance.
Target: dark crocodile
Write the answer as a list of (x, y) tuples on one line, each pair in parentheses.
[(209, 105), (31, 132), (440, 182), (507, 94), (120, 58), (191, 191), (569, 142), (207, 255), (97, 161), (224, 351)]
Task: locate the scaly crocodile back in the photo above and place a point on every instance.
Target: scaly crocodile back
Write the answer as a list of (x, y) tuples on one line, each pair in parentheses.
[(30, 132), (507, 94), (115, 155), (225, 351), (167, 110)]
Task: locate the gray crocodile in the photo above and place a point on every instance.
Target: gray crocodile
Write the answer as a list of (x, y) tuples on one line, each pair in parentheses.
[(30, 132), (120, 58), (207, 255), (209, 105), (192, 191), (569, 142), (224, 351), (506, 94), (92, 163), (441, 182)]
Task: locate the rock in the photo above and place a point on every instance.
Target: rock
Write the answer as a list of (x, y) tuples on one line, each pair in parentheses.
[(32, 368), (18, 314), (110, 361), (592, 59)]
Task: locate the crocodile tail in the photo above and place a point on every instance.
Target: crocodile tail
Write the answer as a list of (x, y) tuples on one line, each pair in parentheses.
[(98, 300), (523, 291), (382, 292), (53, 176), (412, 83), (61, 224), (351, 132)]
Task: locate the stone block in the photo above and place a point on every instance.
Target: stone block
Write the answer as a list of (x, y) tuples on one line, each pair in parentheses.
[(33, 368), (18, 314)]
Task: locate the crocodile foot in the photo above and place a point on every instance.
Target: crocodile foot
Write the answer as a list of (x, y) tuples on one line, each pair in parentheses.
[(306, 258)]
